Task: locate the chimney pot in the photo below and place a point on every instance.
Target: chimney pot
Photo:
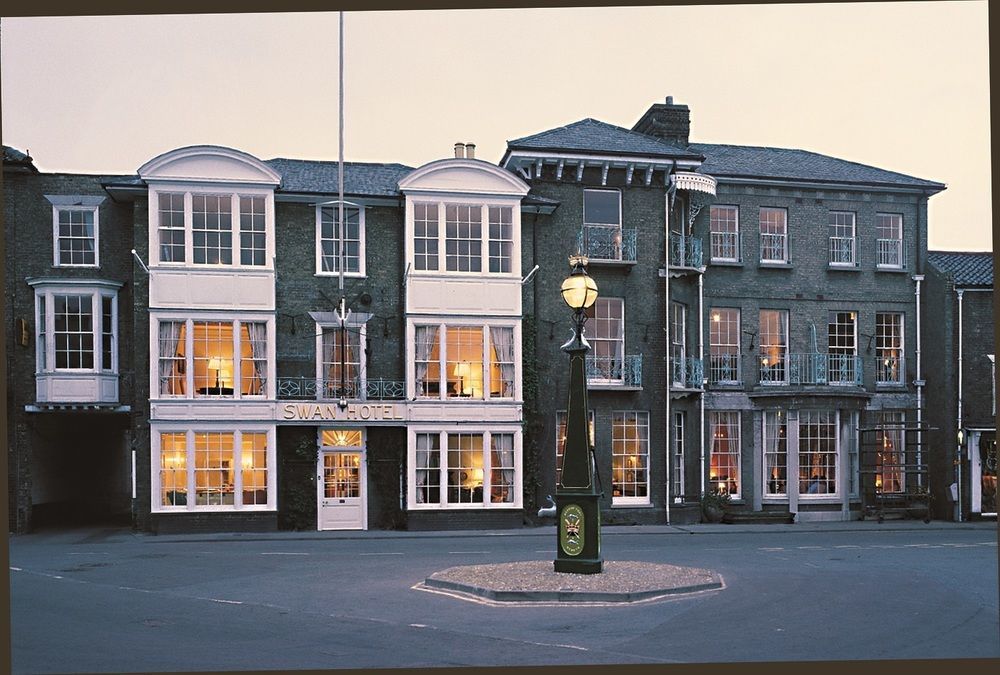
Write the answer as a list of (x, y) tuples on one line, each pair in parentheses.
[(470, 150), (460, 150), (670, 100)]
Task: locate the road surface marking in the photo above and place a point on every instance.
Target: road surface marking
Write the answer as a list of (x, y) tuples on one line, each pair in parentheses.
[(847, 546), (812, 548), (380, 554), (225, 602), (17, 569), (467, 552), (418, 625), (281, 553), (772, 548)]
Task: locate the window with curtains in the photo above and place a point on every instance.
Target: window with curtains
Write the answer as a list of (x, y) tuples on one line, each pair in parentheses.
[(465, 362), (341, 366), (890, 446), (213, 470), (724, 467), (221, 358), (773, 352), (889, 348), (818, 441), (775, 453), (465, 468)]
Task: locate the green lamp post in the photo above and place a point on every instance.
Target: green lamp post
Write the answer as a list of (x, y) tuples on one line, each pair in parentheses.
[(578, 548)]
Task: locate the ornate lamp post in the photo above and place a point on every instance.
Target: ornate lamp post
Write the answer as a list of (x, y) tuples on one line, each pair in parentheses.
[(578, 514)]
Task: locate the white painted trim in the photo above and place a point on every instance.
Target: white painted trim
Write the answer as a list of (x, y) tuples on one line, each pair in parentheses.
[(427, 171), (362, 249), (96, 290), (149, 171), (56, 208), (363, 477), (617, 161)]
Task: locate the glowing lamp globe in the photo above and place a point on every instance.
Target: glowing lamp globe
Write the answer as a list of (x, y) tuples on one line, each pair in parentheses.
[(579, 290)]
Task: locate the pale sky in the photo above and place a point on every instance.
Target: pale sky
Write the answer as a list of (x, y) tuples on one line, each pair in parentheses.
[(902, 86)]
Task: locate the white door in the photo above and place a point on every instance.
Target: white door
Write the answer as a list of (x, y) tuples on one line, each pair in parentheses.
[(341, 497)]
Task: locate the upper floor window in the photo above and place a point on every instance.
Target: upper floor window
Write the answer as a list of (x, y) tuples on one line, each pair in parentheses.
[(889, 348), (889, 230), (75, 237), (218, 229), (341, 362), (843, 242), (842, 331), (602, 225), (773, 346), (329, 237), (678, 344), (724, 345), (226, 358), (77, 329), (607, 324), (467, 245), (724, 223), (773, 235), (472, 362)]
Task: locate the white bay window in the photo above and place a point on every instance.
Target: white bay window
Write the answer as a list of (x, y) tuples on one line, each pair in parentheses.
[(465, 361), (464, 468), (464, 237)]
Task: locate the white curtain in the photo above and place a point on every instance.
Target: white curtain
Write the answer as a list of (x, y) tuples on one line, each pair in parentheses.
[(502, 462), (503, 343), (257, 332), (172, 380), (425, 338)]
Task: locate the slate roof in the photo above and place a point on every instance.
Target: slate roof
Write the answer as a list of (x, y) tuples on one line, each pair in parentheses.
[(598, 137), (360, 178), (747, 161), (964, 268), (15, 156)]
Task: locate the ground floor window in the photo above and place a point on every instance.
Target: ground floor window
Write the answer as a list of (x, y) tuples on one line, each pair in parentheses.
[(678, 455), (891, 452), (724, 469), (630, 458), (467, 468), (213, 469), (817, 452), (775, 453)]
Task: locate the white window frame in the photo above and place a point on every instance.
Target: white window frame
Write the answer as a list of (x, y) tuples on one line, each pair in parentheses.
[(781, 418), (804, 495), (237, 320), (715, 235), (783, 260), (853, 346), (607, 226), (677, 444), (784, 314), (442, 324), (620, 340), (360, 208), (641, 419), (207, 427), (714, 419), (444, 430), (879, 339), (879, 245), (56, 259), (835, 225), (45, 326), (678, 344), (234, 193), (362, 331), (714, 344), (441, 204)]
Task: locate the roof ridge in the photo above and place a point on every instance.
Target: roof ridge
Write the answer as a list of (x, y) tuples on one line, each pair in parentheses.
[(335, 162)]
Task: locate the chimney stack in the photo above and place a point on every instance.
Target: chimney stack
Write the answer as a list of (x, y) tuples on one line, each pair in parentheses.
[(459, 150), (470, 150), (669, 121)]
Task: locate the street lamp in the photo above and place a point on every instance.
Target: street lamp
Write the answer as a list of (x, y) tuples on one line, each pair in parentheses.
[(578, 544)]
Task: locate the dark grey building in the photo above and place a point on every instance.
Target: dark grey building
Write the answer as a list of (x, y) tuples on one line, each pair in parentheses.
[(962, 385)]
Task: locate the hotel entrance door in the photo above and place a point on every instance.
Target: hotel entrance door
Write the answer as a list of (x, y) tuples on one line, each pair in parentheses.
[(341, 481)]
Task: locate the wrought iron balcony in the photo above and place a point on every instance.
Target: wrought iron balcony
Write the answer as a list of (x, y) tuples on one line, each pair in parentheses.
[(356, 389), (890, 370), (844, 251), (724, 369), (608, 243), (685, 251), (687, 373), (889, 252), (622, 371), (811, 369)]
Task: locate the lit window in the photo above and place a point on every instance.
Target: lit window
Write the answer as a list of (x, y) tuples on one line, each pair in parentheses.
[(889, 348), (890, 451), (467, 469), (817, 452), (561, 438), (677, 479), (330, 237), (843, 244), (199, 470), (630, 458), (724, 466), (773, 346), (842, 364), (202, 358), (775, 454), (341, 367), (75, 236), (724, 345), (724, 224), (475, 368), (773, 235), (889, 242)]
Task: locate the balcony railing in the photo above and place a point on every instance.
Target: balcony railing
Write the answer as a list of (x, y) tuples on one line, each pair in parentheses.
[(889, 370), (687, 373), (724, 369), (811, 369), (725, 246), (608, 242), (316, 389), (843, 251), (621, 371), (890, 252), (685, 251)]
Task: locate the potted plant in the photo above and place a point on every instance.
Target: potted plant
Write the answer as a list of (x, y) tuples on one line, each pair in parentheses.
[(713, 505)]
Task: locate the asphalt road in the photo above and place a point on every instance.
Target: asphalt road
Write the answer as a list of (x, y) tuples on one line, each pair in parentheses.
[(111, 600)]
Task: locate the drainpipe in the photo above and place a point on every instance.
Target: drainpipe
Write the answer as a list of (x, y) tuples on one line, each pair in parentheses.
[(701, 399), (920, 385), (666, 314), (958, 292)]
